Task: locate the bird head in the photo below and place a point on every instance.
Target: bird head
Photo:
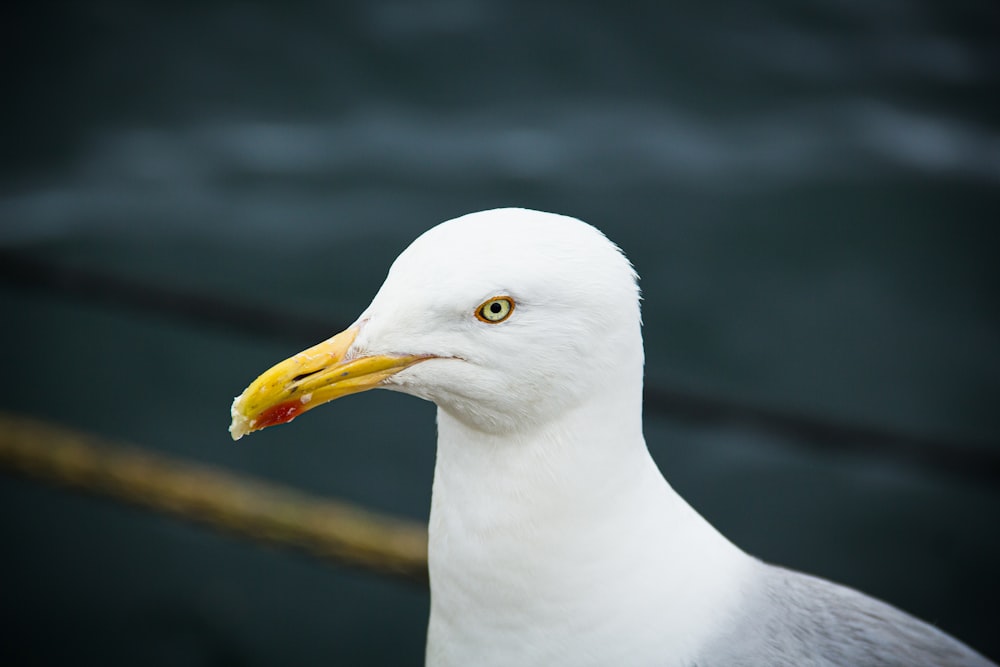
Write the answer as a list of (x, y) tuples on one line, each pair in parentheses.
[(502, 318)]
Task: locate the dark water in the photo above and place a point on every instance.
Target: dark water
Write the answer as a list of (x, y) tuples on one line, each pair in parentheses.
[(808, 189)]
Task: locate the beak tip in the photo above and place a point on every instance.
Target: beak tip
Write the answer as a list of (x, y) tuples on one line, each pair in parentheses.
[(240, 425)]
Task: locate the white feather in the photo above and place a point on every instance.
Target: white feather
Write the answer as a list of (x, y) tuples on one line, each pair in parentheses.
[(554, 538)]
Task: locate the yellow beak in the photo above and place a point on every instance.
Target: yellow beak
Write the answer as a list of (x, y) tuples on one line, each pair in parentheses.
[(310, 378)]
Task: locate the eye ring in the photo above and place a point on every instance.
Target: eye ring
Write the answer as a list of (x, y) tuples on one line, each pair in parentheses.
[(495, 310)]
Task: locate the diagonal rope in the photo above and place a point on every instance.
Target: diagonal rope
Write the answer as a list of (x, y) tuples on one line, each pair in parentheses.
[(228, 502)]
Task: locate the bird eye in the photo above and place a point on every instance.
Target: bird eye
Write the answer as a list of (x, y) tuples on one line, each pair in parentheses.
[(495, 310)]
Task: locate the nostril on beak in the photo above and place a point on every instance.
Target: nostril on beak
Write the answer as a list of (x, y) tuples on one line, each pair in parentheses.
[(303, 376)]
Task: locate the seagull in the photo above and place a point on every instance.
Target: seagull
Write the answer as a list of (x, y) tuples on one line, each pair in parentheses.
[(554, 538)]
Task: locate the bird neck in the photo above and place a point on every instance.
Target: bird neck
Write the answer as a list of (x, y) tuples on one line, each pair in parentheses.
[(571, 515)]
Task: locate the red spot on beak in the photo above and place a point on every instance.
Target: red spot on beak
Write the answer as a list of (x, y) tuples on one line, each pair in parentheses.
[(279, 414)]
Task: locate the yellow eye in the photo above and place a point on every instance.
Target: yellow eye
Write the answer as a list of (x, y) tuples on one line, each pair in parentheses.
[(495, 310)]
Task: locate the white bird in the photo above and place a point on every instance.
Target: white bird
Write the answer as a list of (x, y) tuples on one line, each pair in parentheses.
[(553, 538)]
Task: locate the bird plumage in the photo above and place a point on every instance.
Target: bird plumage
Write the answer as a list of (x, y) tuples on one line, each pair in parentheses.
[(553, 536)]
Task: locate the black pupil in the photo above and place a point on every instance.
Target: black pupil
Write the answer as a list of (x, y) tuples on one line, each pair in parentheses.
[(495, 307)]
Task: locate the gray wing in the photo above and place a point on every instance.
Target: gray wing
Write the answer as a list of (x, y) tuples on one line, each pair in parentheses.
[(795, 620)]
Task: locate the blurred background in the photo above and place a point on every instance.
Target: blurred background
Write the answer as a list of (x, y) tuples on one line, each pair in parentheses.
[(808, 190)]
